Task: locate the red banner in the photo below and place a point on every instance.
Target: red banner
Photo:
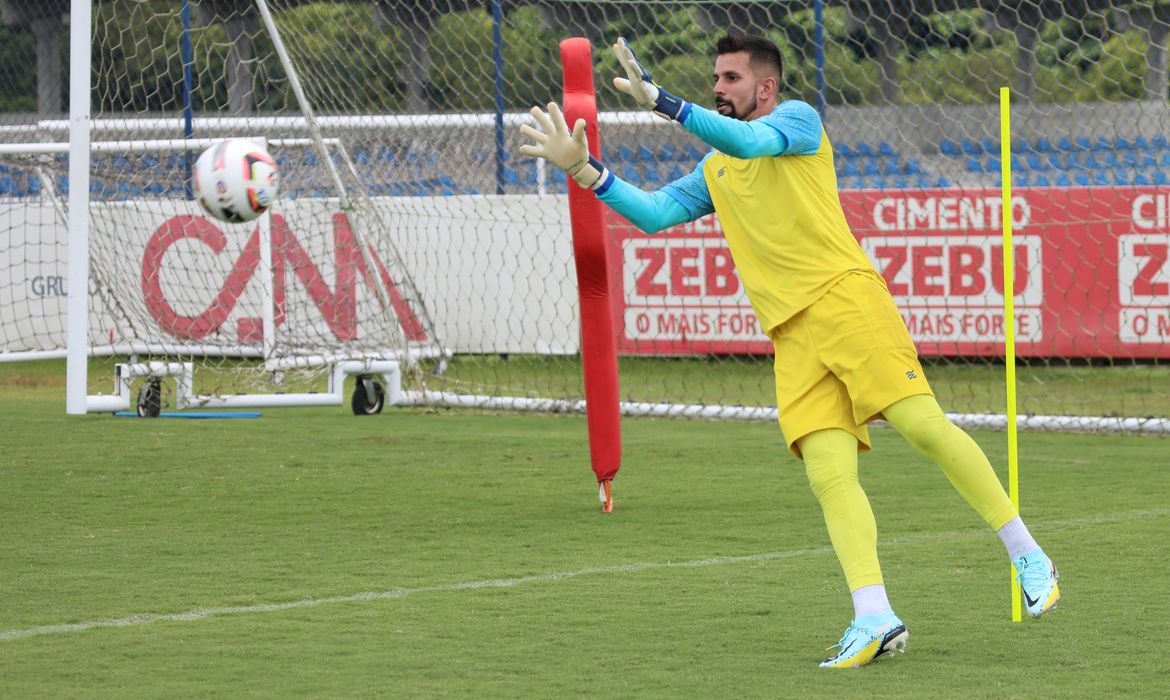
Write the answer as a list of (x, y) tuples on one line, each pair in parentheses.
[(1092, 274)]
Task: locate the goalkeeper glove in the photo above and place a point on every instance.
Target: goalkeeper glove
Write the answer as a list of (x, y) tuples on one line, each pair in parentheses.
[(568, 151), (639, 85)]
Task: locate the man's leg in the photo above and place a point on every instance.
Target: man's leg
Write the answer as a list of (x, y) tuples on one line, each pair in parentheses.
[(920, 420), (830, 460)]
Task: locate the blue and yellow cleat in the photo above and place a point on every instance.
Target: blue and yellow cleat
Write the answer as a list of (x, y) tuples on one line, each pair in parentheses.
[(862, 644), (1037, 576)]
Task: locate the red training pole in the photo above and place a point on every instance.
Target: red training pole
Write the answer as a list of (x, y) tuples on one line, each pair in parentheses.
[(598, 342)]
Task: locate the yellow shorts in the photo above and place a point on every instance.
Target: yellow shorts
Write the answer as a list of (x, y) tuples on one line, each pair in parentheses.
[(842, 360)]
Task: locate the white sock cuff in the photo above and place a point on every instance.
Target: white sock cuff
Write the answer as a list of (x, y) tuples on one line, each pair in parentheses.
[(1016, 538), (870, 600)]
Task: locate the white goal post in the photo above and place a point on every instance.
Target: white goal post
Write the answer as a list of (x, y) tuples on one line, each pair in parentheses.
[(367, 362)]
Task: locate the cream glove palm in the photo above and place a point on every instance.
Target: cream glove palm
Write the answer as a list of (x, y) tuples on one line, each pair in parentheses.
[(639, 85), (567, 150)]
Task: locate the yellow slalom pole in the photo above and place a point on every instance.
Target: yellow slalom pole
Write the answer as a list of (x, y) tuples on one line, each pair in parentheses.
[(1009, 315)]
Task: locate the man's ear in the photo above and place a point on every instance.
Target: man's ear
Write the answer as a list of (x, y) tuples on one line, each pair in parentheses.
[(767, 88)]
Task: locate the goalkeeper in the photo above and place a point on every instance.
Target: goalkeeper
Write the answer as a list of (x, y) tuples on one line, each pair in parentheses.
[(843, 354)]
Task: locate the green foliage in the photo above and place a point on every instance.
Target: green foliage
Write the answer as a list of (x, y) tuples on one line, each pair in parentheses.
[(351, 64), (18, 85)]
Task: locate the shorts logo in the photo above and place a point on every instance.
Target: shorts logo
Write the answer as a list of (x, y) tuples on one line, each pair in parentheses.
[(721, 172), (911, 375)]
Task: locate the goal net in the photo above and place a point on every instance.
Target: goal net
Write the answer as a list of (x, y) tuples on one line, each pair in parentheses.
[(409, 227)]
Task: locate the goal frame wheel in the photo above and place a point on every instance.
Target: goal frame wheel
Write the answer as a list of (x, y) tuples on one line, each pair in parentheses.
[(149, 404), (368, 396)]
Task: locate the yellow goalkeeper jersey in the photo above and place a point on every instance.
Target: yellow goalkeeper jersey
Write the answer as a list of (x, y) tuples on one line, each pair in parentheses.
[(785, 228)]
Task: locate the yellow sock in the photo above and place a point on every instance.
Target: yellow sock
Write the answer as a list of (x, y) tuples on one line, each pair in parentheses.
[(830, 460), (920, 420)]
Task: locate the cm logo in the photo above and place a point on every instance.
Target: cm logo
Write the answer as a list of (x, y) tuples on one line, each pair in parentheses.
[(337, 306)]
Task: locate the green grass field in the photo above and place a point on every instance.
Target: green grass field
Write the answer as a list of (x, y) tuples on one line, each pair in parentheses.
[(310, 553)]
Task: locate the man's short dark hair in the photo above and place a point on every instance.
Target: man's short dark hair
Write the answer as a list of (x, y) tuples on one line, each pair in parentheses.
[(761, 51)]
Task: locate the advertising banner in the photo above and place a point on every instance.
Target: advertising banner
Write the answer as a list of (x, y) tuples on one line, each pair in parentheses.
[(1092, 274)]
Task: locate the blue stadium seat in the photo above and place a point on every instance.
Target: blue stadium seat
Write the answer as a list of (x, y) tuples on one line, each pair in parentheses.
[(644, 154), (971, 148), (889, 166), (1101, 179), (668, 152), (1035, 162), (527, 176), (885, 149), (1084, 143), (870, 168), (1102, 144), (912, 166), (1021, 179), (1122, 143), (850, 169), (1111, 160), (1057, 161), (1066, 144), (949, 148), (1082, 178), (1141, 179), (864, 149), (991, 165), (1147, 160), (845, 150), (989, 145), (693, 153), (1122, 178), (901, 183), (1062, 180), (623, 154), (1043, 145), (1159, 142), (942, 182), (1019, 164), (877, 183), (1164, 160), (974, 165), (1041, 180), (1021, 146), (674, 172), (651, 174), (1160, 178)]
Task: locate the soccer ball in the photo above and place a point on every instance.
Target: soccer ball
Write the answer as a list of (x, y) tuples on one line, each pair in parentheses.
[(235, 180)]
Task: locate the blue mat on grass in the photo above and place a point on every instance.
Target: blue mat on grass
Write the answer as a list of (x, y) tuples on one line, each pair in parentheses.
[(195, 414)]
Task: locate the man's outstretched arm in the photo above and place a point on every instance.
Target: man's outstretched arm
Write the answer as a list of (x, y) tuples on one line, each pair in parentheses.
[(792, 129), (683, 200)]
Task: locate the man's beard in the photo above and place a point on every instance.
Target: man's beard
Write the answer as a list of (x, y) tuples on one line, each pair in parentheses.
[(734, 113)]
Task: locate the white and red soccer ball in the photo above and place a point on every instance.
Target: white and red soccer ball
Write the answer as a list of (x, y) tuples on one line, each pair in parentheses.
[(236, 180)]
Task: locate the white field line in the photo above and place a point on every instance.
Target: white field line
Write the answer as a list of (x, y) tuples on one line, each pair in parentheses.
[(397, 593)]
